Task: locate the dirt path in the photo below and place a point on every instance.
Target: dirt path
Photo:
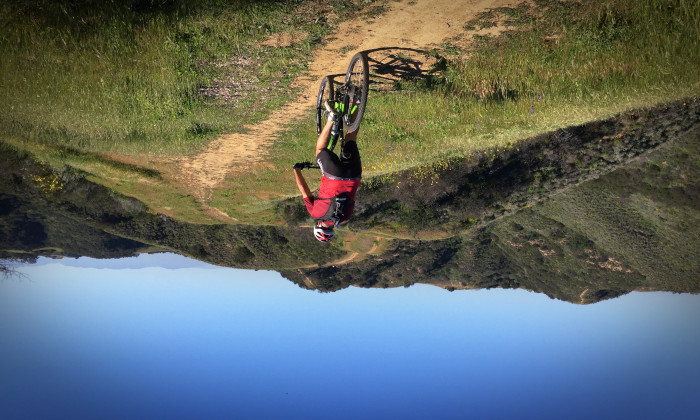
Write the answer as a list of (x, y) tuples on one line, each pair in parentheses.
[(582, 296), (409, 25)]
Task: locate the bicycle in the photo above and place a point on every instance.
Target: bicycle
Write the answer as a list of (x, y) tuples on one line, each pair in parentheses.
[(349, 100)]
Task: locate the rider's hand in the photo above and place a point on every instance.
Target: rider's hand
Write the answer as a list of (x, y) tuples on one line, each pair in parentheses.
[(300, 165), (331, 111)]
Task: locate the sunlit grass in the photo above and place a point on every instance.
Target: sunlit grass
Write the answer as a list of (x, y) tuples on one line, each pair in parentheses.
[(135, 79)]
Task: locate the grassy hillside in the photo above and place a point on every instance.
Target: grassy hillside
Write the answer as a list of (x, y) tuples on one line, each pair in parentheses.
[(558, 64), (164, 77), (61, 213), (634, 228)]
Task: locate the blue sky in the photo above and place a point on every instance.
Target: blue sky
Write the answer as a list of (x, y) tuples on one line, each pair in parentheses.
[(198, 341)]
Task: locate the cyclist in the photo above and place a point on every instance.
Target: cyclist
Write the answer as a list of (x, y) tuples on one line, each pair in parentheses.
[(340, 178)]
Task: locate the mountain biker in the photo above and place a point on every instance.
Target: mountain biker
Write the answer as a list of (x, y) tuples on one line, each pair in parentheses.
[(340, 178)]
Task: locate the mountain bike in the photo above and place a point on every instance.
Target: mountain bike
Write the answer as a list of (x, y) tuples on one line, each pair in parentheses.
[(349, 100)]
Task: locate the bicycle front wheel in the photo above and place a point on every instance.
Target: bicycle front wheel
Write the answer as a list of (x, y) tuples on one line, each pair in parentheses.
[(325, 93), (357, 82)]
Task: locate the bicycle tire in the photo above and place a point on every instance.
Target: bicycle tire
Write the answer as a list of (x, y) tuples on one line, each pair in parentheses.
[(325, 92), (357, 84)]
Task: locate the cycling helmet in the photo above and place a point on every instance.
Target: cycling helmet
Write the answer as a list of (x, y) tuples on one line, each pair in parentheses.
[(323, 233)]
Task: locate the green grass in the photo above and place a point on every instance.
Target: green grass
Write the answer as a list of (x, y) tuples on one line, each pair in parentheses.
[(144, 76)]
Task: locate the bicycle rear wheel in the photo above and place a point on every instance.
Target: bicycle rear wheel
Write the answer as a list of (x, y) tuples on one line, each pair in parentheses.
[(325, 92), (357, 82)]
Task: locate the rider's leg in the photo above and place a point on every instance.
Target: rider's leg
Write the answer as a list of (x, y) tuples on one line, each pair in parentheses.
[(352, 135), (345, 151), (323, 138)]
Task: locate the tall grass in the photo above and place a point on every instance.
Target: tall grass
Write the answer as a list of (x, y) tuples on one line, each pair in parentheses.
[(579, 51), (144, 75), (569, 62)]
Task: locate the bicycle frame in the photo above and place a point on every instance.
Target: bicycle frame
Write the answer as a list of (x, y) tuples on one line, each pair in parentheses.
[(343, 102), (336, 133)]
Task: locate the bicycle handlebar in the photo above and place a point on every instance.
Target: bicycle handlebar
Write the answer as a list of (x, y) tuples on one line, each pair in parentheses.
[(304, 165)]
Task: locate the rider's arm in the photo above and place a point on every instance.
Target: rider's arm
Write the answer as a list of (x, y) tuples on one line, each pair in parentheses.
[(301, 184)]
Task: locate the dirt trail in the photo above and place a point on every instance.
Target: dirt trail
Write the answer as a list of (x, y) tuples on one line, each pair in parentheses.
[(411, 25)]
